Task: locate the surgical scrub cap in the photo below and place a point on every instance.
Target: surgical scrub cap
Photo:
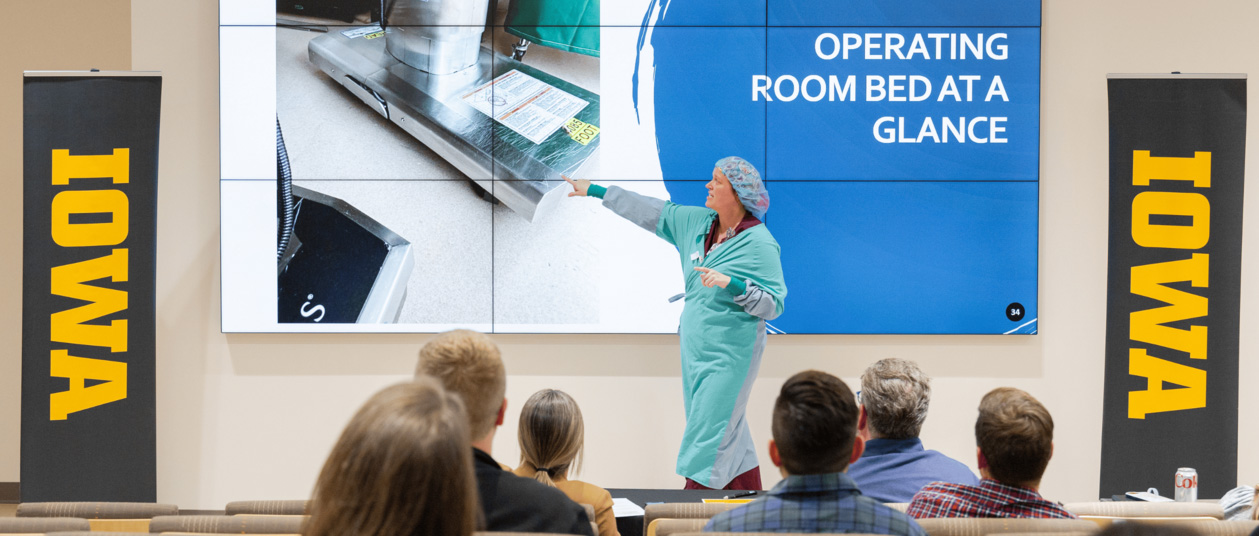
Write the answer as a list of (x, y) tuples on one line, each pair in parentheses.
[(747, 184)]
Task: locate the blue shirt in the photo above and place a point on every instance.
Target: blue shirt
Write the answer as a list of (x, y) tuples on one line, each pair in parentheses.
[(893, 470), (827, 502)]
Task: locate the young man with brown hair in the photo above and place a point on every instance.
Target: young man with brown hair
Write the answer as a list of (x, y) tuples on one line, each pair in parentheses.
[(469, 364), (1015, 436), (815, 438)]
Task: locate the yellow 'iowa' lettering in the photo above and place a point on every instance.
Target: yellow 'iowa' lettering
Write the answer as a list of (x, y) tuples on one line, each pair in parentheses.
[(1192, 204), (1155, 399), (1145, 168), (71, 326), (1148, 325), (80, 397), (81, 325), (1151, 280), (116, 166), (72, 235)]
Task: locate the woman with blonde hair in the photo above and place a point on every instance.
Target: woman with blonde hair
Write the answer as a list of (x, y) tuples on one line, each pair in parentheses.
[(403, 466), (552, 437)]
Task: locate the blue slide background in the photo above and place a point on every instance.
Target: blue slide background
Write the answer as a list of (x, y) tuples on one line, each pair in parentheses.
[(876, 238)]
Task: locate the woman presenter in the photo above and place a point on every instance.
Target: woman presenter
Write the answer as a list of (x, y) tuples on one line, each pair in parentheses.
[(734, 283)]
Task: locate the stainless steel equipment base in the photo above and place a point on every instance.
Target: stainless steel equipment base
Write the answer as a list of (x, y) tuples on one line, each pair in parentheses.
[(431, 108), (384, 300)]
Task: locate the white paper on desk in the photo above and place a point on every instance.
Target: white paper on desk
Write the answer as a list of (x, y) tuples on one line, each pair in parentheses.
[(625, 508)]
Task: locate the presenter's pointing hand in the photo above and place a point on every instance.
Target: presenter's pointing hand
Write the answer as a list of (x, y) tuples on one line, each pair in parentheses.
[(712, 278), (580, 186)]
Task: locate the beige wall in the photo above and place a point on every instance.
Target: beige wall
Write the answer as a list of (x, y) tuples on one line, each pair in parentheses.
[(62, 35), (252, 416)]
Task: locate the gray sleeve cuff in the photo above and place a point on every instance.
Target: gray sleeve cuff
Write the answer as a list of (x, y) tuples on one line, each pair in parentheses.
[(644, 211), (756, 302)]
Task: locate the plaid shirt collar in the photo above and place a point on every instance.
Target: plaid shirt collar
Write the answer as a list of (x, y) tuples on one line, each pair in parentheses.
[(829, 503), (1011, 494), (989, 499), (816, 483)]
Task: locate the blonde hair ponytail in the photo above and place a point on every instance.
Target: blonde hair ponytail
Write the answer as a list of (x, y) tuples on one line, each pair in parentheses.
[(552, 435)]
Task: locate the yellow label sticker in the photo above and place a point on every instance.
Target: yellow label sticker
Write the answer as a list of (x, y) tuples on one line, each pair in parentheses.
[(374, 35), (581, 131)]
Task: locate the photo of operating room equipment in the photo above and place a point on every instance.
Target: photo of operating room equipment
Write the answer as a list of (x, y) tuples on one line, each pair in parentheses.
[(413, 101)]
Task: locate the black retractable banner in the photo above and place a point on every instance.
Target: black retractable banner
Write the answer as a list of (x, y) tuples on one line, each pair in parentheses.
[(89, 256), (1177, 161)]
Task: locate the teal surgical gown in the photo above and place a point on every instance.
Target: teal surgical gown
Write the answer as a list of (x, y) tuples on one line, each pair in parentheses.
[(722, 331)]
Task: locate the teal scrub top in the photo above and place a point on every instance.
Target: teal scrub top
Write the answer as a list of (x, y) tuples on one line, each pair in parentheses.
[(721, 342)]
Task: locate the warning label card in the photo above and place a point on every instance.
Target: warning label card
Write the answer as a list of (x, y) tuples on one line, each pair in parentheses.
[(528, 106)]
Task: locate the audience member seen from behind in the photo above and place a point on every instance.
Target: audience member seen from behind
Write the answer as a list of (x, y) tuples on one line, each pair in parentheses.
[(893, 398), (1015, 435), (468, 363), (552, 437), (815, 438), (401, 467)]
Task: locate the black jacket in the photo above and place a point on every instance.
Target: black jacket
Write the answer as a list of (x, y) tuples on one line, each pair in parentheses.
[(515, 504)]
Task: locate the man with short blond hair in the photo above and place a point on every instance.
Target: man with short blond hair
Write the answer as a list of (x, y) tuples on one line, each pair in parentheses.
[(1015, 436), (469, 364), (895, 394)]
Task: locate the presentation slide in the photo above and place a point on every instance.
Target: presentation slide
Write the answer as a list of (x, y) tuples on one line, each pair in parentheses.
[(400, 166)]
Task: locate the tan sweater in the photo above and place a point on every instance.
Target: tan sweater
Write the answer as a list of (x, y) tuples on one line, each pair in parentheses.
[(582, 493)]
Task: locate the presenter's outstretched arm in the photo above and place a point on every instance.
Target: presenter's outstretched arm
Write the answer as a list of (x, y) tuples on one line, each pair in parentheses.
[(644, 211)]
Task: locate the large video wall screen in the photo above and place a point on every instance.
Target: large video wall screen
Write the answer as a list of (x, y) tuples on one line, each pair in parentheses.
[(408, 176)]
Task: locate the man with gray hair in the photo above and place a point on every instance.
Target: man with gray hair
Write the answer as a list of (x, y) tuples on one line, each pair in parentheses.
[(894, 397)]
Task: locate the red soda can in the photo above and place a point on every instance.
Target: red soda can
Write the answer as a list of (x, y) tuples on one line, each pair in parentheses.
[(1186, 484)]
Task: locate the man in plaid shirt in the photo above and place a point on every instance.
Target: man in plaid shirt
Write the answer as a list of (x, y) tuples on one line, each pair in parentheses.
[(1015, 435), (815, 438)]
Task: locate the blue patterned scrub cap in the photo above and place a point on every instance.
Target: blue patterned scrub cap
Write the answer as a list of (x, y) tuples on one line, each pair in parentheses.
[(747, 184)]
